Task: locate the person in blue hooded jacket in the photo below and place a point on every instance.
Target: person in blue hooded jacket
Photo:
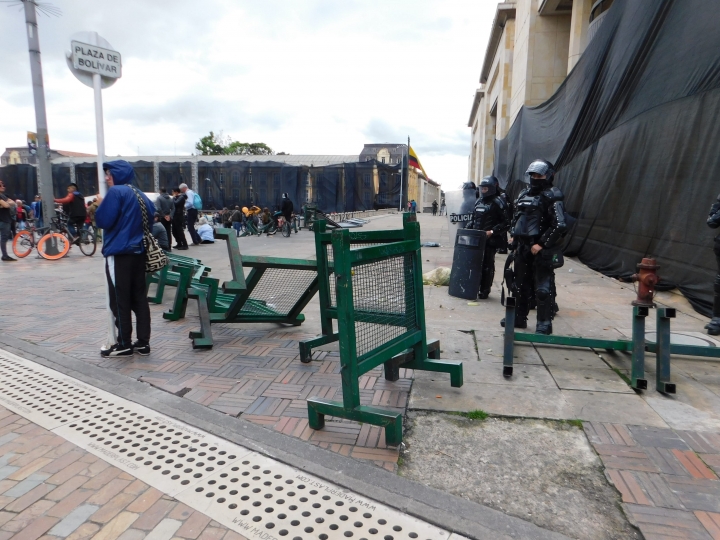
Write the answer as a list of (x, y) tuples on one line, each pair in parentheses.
[(120, 216)]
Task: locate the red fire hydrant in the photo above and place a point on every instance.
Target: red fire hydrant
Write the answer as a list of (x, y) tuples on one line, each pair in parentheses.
[(647, 279)]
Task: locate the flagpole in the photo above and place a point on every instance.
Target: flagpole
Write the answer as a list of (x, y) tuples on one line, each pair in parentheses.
[(402, 162)]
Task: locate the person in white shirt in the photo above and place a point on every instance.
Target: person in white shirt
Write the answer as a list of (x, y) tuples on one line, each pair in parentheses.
[(191, 213), (206, 232)]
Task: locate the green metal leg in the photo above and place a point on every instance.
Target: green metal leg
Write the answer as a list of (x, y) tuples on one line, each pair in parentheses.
[(202, 339), (181, 294), (161, 279), (454, 368), (392, 366), (390, 420), (509, 337), (662, 356), (637, 377), (306, 347)]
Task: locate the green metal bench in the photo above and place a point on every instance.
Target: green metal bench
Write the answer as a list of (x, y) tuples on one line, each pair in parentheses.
[(371, 286), (276, 290)]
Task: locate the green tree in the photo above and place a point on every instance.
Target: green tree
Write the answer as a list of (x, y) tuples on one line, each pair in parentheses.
[(216, 145), (211, 145), (236, 148)]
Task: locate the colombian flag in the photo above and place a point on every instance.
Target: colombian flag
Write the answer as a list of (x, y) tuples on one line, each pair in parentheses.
[(413, 161)]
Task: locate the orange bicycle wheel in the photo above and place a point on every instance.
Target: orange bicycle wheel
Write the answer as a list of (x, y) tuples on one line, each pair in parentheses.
[(53, 246), (23, 244)]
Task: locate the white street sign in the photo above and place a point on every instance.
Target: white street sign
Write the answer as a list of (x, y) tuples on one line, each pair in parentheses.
[(95, 59)]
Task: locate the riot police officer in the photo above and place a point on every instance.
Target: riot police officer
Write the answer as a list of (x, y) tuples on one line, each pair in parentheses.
[(713, 221), (489, 215), (537, 228)]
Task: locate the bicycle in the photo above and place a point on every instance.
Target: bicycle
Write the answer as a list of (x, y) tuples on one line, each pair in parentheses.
[(86, 239), (53, 245)]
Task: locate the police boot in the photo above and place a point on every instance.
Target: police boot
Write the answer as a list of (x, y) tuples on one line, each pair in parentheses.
[(713, 327), (544, 316), (486, 284), (519, 322)]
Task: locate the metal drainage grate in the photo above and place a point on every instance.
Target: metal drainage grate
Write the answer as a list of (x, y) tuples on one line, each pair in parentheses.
[(260, 495), (245, 491)]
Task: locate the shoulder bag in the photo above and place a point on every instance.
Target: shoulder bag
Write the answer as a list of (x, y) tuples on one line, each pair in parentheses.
[(155, 258)]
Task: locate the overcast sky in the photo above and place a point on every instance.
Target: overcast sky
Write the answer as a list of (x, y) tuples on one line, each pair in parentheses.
[(303, 76)]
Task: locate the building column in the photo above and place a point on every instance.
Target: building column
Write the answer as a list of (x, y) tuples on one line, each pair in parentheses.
[(156, 176), (579, 23), (194, 169)]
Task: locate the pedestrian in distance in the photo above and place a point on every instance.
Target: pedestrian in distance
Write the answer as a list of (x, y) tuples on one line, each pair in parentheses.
[(443, 208), (159, 232), (236, 220), (165, 209), (5, 220), (286, 207), (206, 232), (37, 210), (178, 219), (120, 216), (73, 205), (191, 212), (435, 207)]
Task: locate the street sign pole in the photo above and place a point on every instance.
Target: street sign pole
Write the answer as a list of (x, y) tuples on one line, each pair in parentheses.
[(94, 62)]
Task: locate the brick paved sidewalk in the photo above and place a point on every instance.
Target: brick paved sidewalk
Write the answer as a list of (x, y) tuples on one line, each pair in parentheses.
[(253, 370), (51, 489), (668, 479)]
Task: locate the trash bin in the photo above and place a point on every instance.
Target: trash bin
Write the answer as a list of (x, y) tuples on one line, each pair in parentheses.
[(467, 263)]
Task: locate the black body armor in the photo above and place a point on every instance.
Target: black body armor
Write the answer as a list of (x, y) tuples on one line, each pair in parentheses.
[(539, 217), (490, 214)]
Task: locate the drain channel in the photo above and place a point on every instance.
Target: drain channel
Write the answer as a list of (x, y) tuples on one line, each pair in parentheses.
[(249, 493)]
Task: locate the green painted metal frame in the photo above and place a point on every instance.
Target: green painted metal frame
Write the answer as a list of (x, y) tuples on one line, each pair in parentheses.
[(409, 350), (635, 346)]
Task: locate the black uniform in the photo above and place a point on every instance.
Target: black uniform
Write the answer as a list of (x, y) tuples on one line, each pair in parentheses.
[(490, 214), (539, 219), (713, 222)]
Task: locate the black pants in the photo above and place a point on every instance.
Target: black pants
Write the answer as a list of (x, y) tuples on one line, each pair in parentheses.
[(128, 294), (530, 272), (488, 268), (192, 217), (168, 230), (178, 232)]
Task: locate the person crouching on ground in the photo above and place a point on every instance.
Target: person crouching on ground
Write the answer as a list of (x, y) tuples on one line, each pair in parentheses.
[(120, 216), (160, 233), (206, 232)]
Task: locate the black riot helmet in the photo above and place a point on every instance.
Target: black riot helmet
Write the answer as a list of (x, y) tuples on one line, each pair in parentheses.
[(541, 167), (469, 185), (492, 184)]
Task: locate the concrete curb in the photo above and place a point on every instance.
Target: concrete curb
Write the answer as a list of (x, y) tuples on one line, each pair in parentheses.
[(434, 506)]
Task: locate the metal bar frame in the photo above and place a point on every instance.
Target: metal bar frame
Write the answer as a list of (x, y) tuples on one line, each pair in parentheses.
[(409, 350)]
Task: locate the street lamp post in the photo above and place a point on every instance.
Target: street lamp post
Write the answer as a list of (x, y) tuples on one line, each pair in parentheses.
[(45, 184)]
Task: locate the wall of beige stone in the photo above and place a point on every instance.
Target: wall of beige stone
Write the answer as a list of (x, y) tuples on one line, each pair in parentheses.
[(579, 23)]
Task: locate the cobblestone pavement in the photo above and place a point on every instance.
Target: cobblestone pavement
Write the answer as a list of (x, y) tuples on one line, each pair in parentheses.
[(667, 478), (51, 489), (253, 370)]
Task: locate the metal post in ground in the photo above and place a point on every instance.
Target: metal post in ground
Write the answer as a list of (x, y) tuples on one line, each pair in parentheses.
[(637, 376), (509, 337), (662, 360)]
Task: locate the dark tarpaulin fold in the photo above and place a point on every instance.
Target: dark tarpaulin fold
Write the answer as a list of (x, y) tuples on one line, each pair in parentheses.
[(634, 134)]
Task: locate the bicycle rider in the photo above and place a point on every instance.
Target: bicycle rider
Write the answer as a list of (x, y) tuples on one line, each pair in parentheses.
[(286, 207), (74, 207)]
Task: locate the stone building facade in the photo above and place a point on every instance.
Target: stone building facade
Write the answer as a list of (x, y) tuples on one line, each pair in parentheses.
[(533, 46)]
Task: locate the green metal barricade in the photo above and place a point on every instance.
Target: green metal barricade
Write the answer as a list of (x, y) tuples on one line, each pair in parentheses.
[(370, 284)]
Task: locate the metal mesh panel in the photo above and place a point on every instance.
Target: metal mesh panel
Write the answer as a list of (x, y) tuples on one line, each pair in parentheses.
[(381, 289), (279, 290), (331, 274)]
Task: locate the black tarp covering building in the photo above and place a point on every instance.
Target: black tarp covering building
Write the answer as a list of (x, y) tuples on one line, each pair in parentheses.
[(635, 136)]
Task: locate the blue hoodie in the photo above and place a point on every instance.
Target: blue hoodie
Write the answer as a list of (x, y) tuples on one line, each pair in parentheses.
[(119, 213)]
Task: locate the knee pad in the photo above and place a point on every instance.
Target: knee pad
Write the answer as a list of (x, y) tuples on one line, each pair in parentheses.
[(542, 295)]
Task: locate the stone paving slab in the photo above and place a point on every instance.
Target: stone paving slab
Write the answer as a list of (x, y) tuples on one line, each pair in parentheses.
[(668, 490)]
